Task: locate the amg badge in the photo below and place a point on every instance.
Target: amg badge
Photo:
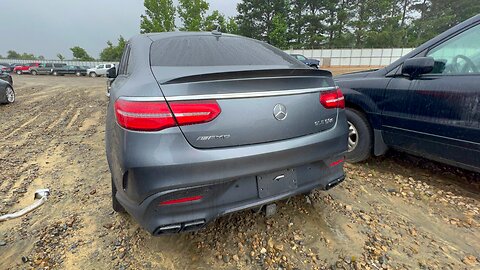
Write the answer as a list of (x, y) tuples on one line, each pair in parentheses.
[(213, 137)]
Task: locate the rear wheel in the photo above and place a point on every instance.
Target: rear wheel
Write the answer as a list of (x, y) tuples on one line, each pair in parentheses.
[(360, 136), (78, 74), (55, 73), (34, 72), (19, 72), (117, 207), (93, 74)]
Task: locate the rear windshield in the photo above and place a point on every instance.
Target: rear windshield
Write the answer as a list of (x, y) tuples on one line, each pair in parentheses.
[(215, 51)]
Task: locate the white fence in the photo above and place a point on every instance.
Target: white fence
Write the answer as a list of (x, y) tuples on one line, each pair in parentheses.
[(354, 57), (68, 62), (327, 57)]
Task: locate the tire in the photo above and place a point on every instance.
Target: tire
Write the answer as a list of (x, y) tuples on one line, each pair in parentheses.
[(55, 73), (360, 136), (19, 72), (93, 74), (117, 207), (34, 72), (10, 95), (78, 74)]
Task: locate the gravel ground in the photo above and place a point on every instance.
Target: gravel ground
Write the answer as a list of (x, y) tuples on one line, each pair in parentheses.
[(393, 212)]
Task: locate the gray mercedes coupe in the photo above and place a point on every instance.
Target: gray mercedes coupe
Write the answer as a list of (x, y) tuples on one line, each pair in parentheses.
[(200, 125)]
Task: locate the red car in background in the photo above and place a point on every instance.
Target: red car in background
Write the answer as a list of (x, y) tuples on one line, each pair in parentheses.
[(24, 68)]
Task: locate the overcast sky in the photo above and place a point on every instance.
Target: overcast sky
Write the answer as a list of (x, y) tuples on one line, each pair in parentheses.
[(48, 27)]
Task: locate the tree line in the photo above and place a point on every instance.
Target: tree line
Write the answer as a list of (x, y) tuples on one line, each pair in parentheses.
[(350, 23), (309, 24), (113, 52), (316, 24)]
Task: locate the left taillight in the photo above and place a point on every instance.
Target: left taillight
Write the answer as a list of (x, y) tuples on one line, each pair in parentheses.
[(156, 115), (332, 99)]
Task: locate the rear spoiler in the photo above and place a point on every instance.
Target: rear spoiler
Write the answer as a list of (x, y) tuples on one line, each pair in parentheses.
[(262, 73)]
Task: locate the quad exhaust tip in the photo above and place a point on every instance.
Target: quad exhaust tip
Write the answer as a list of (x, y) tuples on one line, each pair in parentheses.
[(180, 227)]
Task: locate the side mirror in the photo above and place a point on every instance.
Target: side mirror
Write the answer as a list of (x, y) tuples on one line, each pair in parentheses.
[(112, 73), (414, 67)]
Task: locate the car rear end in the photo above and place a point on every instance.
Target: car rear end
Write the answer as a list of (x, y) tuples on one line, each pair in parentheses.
[(4, 67), (239, 125)]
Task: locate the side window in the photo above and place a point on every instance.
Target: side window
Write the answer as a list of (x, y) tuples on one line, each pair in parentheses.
[(458, 55), (123, 66), (108, 66), (100, 66), (48, 65)]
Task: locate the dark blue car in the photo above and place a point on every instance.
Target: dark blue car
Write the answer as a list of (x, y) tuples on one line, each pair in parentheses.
[(427, 103), (307, 61)]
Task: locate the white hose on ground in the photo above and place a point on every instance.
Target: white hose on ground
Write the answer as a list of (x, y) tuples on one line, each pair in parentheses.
[(25, 210)]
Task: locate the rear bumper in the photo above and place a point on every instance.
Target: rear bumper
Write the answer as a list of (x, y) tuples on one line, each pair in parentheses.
[(149, 168), (221, 199)]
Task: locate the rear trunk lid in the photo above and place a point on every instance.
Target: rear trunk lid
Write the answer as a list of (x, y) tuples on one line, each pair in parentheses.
[(257, 106)]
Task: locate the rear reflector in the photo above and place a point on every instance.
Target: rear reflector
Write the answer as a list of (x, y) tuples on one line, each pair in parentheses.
[(332, 99), (156, 115), (181, 200), (335, 163)]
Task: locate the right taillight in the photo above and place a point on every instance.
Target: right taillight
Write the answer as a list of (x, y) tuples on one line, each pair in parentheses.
[(156, 115), (332, 99)]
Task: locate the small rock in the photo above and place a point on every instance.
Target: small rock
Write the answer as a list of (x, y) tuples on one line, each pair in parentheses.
[(2, 243), (308, 200), (235, 258), (24, 259), (348, 207), (226, 258), (470, 260), (297, 237), (263, 250), (366, 217), (279, 247)]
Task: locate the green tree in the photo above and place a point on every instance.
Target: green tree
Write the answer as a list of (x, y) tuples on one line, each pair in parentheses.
[(61, 57), (159, 16), (231, 26), (437, 16), (278, 34), (192, 14), (214, 20), (28, 56), (255, 17), (296, 22), (81, 54), (13, 55), (113, 52)]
